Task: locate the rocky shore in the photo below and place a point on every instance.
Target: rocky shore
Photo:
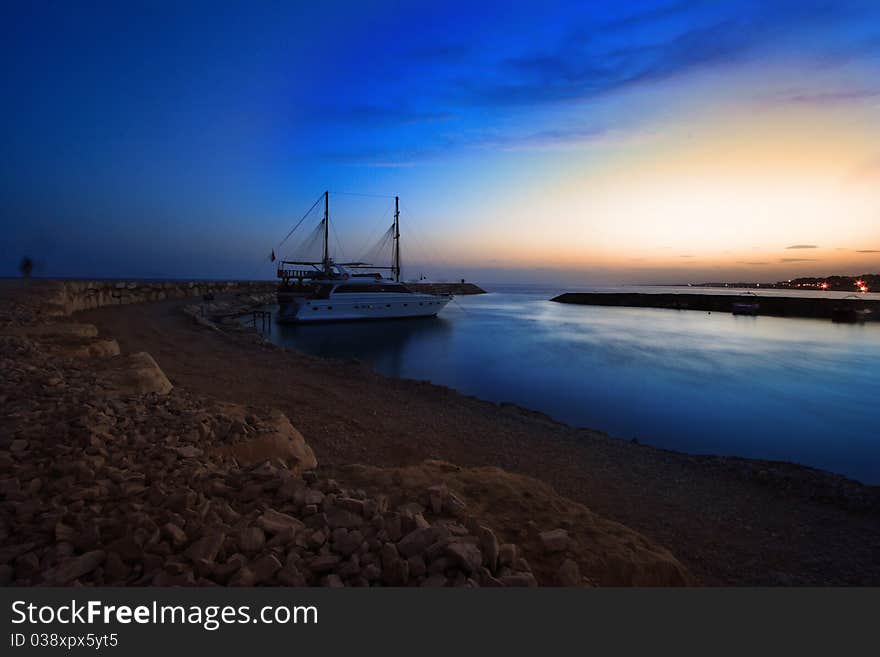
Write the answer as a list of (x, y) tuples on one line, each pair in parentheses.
[(112, 473), (729, 521), (211, 429)]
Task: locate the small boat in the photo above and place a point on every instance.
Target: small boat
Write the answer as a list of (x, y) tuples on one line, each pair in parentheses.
[(850, 315), (745, 307), (850, 311), (327, 291)]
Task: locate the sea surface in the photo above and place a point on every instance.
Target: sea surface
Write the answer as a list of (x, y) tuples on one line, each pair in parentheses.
[(799, 390)]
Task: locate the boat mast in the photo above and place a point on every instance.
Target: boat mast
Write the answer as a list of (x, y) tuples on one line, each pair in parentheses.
[(326, 231), (397, 238)]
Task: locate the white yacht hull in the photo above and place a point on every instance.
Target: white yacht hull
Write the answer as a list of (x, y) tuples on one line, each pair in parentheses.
[(359, 306)]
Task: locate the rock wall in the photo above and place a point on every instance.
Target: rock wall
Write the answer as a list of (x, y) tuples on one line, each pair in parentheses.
[(65, 297), (815, 307)]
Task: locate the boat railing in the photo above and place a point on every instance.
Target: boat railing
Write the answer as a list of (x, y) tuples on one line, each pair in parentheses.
[(296, 273)]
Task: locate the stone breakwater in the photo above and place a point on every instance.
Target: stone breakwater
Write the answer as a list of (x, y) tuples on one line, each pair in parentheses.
[(815, 307), (111, 475), (66, 297)]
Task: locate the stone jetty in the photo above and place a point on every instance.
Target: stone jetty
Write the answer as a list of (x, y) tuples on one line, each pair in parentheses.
[(814, 307)]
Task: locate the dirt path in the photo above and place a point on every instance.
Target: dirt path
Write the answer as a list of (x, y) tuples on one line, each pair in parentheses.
[(727, 527)]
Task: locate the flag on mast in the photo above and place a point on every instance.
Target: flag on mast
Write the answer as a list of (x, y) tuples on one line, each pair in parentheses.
[(273, 255)]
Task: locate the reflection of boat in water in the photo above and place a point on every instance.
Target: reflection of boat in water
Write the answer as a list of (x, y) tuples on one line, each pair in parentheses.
[(344, 298), (325, 291), (383, 344), (391, 347)]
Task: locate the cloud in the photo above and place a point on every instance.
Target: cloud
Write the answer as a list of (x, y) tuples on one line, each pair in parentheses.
[(801, 246), (797, 259), (573, 72), (831, 97), (381, 114), (382, 158), (391, 156), (753, 264), (852, 49), (686, 256), (868, 251), (389, 164), (867, 170), (564, 137), (652, 15), (458, 80), (588, 61)]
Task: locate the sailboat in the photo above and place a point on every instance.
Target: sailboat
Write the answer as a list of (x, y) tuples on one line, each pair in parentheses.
[(329, 291)]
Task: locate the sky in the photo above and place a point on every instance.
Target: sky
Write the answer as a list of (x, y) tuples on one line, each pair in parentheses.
[(567, 143)]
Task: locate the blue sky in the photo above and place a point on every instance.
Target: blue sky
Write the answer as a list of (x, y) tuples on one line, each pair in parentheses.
[(583, 142)]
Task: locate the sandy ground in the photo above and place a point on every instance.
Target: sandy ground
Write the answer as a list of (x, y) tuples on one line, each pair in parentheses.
[(727, 527)]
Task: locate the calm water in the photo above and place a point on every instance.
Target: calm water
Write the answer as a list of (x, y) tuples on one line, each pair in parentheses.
[(791, 389)]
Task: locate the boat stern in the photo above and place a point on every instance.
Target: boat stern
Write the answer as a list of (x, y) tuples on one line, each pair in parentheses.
[(289, 307)]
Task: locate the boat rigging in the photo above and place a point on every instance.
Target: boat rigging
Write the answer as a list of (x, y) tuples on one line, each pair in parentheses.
[(325, 290), (326, 265)]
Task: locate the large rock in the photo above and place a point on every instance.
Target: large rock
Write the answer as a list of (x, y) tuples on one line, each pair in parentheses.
[(276, 437), (555, 540), (466, 556), (606, 553), (569, 574), (135, 374), (75, 567), (276, 522), (489, 547), (418, 540), (251, 539), (207, 547)]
